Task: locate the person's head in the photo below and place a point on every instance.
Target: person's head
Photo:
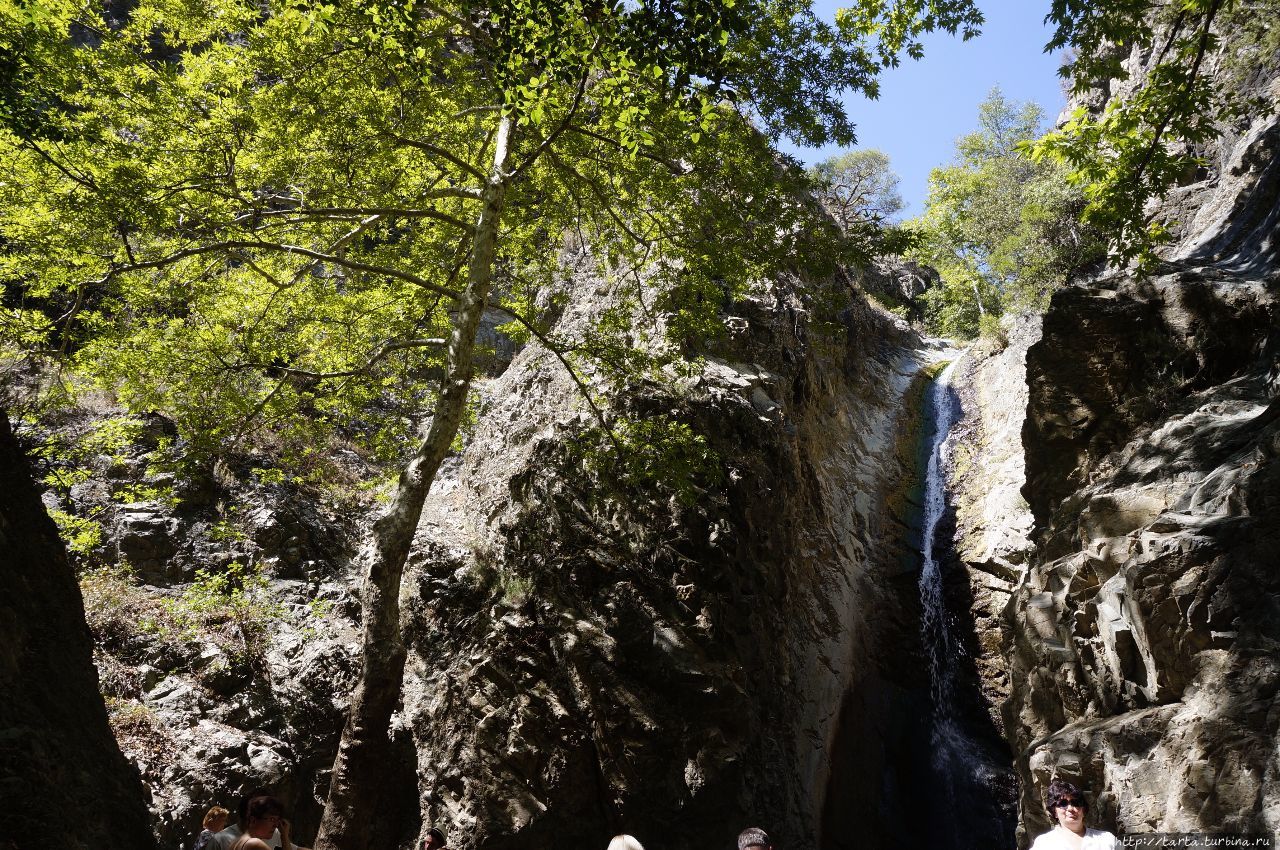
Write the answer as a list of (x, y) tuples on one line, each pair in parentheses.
[(263, 817), (754, 837), (1066, 804), (434, 839), (624, 842), (242, 808), (215, 820)]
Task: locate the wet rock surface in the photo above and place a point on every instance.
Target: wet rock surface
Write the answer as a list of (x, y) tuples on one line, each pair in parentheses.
[(993, 522)]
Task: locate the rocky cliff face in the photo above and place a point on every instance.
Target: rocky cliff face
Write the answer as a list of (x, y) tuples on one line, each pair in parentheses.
[(589, 652), (993, 522), (588, 658), (1142, 639), (63, 779), (211, 688), (1142, 642)]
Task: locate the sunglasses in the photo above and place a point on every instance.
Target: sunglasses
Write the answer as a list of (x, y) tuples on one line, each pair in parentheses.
[(1078, 802)]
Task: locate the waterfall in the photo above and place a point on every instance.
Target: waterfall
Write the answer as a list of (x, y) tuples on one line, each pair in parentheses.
[(919, 761), (958, 761)]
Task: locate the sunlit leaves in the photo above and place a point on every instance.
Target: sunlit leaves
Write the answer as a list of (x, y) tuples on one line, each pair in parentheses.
[(250, 214), (1000, 228), (1144, 141)]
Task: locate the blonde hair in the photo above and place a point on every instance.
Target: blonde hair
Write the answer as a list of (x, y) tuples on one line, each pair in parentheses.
[(624, 842), (212, 815)]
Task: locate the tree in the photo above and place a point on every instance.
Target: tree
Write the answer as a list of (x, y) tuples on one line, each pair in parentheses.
[(1000, 228), (858, 189), (1143, 141), (280, 212)]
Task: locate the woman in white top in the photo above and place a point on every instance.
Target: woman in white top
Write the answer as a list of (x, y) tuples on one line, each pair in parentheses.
[(624, 842), (1067, 807)]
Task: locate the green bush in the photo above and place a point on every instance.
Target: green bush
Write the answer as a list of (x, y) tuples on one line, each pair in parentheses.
[(990, 327), (232, 608), (81, 534)]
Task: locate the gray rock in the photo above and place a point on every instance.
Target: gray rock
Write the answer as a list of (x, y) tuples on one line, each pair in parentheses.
[(1151, 443)]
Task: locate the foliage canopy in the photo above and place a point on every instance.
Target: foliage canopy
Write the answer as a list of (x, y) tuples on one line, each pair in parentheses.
[(1000, 228), (256, 216), (1150, 133)]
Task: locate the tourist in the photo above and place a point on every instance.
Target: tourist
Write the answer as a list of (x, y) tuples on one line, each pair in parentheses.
[(754, 838), (215, 820), (624, 842), (434, 840), (265, 815), (1067, 807), (224, 839)]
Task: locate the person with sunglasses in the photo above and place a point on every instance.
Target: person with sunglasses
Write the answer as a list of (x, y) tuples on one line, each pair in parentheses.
[(1067, 807)]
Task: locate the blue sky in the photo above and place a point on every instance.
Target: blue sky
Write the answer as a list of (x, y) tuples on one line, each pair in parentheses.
[(925, 105)]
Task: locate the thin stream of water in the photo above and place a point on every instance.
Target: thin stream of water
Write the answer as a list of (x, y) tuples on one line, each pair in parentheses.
[(954, 754)]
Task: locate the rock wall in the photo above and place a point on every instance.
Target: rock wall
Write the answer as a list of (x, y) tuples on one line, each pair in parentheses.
[(993, 522), (211, 694), (63, 780), (1143, 640), (589, 657)]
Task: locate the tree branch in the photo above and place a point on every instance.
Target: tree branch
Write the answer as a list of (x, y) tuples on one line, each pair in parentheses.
[(472, 30), (440, 152), (285, 249), (87, 182), (378, 355), (676, 168), (600, 196), (551, 137), (1201, 49), (322, 213), (568, 367)]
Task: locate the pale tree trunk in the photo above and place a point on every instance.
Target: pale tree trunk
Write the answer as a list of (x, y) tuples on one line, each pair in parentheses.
[(977, 297), (361, 764)]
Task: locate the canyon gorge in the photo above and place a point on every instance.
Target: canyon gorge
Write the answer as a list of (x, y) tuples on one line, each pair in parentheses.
[(1092, 499)]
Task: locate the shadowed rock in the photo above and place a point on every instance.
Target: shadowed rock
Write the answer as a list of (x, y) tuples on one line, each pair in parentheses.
[(63, 780)]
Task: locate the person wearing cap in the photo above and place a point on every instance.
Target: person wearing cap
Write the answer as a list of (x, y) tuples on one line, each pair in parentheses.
[(434, 840)]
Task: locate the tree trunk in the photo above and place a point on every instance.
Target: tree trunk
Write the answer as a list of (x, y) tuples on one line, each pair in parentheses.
[(63, 781), (977, 298), (355, 786)]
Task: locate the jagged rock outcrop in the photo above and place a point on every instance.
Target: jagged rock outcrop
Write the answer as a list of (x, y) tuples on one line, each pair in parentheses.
[(589, 656), (1143, 642), (63, 779), (898, 284), (1144, 639), (212, 688), (993, 522)]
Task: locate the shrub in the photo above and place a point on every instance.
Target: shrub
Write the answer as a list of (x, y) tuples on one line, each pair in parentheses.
[(231, 607)]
